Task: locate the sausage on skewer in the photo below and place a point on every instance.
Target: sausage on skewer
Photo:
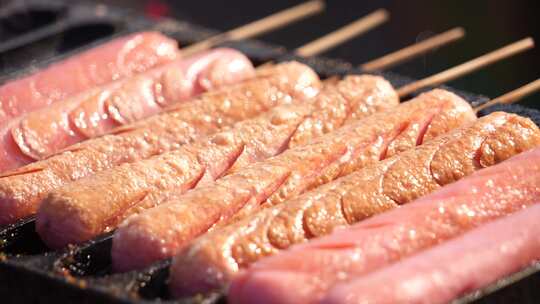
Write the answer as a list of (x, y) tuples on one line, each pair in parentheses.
[(101, 201), (162, 231), (42, 133), (21, 190), (122, 57), (310, 269)]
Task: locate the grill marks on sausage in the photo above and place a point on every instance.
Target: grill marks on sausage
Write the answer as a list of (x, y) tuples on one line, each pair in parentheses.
[(357, 153), (366, 142), (356, 96), (282, 116), (352, 189), (248, 142), (320, 157), (183, 221), (253, 145)]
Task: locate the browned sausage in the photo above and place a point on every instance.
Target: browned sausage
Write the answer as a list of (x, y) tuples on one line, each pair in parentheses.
[(160, 232), (100, 202), (314, 267), (374, 189)]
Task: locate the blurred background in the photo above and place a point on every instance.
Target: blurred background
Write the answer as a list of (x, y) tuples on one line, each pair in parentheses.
[(489, 25)]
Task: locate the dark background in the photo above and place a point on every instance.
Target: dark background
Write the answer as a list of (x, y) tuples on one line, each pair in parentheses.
[(489, 25)]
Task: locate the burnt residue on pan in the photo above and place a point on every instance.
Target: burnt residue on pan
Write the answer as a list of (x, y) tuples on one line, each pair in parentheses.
[(30, 272)]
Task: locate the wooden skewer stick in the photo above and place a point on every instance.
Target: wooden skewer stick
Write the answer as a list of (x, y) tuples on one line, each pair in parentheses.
[(468, 67), (343, 34), (513, 96), (261, 26), (414, 50), (339, 36)]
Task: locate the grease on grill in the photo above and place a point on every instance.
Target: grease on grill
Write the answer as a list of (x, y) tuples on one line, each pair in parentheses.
[(90, 259), (21, 239)]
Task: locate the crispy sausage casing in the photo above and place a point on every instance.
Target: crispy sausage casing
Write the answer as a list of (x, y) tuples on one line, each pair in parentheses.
[(312, 267), (133, 187), (22, 190), (162, 231)]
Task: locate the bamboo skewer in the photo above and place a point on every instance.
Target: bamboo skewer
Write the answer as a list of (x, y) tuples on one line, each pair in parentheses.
[(339, 36), (343, 34), (471, 66), (260, 26), (330, 40), (512, 96), (414, 50), (468, 67), (363, 25)]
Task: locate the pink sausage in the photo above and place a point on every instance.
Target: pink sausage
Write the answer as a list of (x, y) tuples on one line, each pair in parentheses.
[(90, 114), (451, 269), (116, 59)]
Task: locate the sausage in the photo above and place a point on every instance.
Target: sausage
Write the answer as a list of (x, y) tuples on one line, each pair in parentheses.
[(92, 113), (162, 231), (22, 190), (467, 263), (88, 207), (376, 188), (137, 184), (311, 268), (119, 58)]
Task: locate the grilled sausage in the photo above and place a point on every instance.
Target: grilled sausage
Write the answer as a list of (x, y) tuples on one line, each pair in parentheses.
[(88, 207), (317, 265), (122, 57), (136, 184), (22, 190), (90, 114), (374, 189), (160, 232)]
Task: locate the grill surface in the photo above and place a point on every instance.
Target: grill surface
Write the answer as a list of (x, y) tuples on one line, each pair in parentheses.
[(29, 272)]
